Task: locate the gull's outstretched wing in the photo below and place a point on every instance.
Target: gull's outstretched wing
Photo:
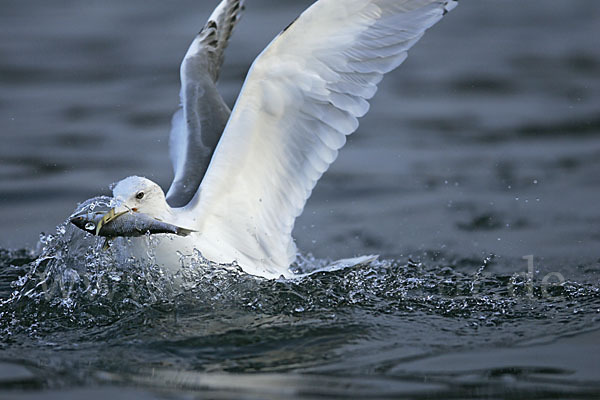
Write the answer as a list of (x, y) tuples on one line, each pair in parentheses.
[(199, 123), (301, 98)]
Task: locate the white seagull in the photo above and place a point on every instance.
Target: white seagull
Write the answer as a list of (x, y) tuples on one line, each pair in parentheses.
[(242, 177)]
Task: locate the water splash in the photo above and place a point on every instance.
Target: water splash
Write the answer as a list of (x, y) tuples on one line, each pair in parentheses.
[(72, 284)]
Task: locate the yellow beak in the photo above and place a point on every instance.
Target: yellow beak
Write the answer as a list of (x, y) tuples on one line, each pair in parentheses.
[(111, 215)]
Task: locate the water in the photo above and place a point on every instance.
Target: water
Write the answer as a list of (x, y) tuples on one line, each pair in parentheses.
[(376, 329), (481, 150)]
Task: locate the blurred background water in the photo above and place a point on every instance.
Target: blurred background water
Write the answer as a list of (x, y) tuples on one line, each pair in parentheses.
[(485, 142)]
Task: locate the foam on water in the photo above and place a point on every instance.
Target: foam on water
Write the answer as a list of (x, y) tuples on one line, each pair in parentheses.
[(72, 298), (74, 280), (135, 324)]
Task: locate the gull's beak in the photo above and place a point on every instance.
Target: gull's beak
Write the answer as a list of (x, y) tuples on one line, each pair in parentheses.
[(111, 215)]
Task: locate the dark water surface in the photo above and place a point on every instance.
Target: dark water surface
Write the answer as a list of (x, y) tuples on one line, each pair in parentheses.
[(482, 149)]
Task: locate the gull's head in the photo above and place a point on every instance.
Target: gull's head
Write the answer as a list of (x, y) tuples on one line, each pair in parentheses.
[(139, 194)]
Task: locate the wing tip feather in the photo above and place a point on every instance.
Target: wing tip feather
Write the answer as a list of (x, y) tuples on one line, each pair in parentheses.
[(449, 6)]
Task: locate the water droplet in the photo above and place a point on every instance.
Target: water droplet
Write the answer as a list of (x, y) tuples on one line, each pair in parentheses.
[(116, 277), (90, 226)]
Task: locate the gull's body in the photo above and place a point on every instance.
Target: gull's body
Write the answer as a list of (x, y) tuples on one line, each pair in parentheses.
[(242, 177)]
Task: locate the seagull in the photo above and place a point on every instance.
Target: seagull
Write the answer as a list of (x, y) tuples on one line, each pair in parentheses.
[(242, 176)]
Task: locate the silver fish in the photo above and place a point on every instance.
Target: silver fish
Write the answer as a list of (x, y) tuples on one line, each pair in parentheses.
[(110, 225)]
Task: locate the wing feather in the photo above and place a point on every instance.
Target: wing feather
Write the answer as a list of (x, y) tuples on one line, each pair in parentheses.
[(302, 97), (198, 124)]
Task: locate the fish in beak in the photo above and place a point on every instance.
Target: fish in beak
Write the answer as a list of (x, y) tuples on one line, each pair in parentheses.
[(93, 221), (111, 215), (119, 222)]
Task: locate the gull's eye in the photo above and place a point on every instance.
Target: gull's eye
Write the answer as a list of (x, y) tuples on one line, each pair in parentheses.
[(139, 195)]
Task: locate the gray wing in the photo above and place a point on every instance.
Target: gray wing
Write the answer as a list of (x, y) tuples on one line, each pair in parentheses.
[(198, 124)]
